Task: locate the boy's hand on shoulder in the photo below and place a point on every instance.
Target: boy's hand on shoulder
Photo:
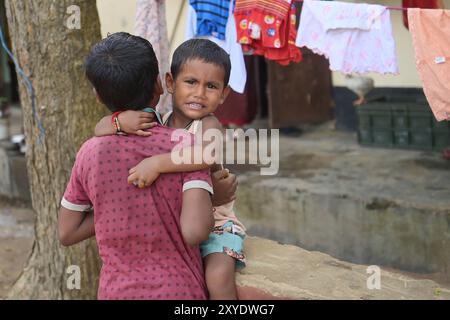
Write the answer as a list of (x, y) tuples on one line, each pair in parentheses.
[(225, 186), (136, 122), (145, 173)]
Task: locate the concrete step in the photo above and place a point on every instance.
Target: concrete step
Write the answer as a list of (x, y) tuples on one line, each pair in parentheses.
[(367, 206), (13, 168), (14, 183), (289, 272)]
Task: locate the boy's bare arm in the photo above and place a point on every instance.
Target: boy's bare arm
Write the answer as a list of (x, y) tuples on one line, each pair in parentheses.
[(148, 170), (131, 122), (143, 175), (212, 123), (197, 220), (224, 183), (104, 127), (74, 226)]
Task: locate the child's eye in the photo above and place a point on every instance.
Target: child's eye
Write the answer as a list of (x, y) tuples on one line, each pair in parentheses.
[(190, 81), (211, 86)]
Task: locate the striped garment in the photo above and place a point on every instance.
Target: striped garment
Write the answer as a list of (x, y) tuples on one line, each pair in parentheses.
[(212, 16), (278, 8)]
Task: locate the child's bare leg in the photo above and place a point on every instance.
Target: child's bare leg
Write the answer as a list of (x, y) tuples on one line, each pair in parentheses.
[(220, 276)]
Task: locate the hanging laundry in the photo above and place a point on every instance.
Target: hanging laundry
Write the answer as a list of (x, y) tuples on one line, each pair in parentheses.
[(241, 109), (151, 24), (428, 4), (430, 30), (238, 76), (212, 17), (268, 28), (356, 38)]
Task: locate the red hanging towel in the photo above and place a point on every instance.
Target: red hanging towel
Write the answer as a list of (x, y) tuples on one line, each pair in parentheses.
[(424, 4), (268, 28)]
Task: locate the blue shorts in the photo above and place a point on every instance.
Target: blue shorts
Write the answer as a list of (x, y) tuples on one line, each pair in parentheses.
[(225, 240)]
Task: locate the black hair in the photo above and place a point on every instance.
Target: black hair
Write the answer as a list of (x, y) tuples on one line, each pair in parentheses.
[(123, 70), (202, 49)]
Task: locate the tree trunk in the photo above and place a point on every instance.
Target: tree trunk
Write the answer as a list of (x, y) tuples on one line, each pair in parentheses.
[(51, 55)]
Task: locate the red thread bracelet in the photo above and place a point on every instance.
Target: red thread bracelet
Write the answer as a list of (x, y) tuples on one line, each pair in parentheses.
[(115, 122)]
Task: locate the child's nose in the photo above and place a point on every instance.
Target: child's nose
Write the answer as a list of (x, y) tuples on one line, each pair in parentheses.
[(200, 92)]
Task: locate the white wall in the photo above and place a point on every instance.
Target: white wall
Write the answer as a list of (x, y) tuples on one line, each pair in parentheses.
[(176, 12), (118, 15)]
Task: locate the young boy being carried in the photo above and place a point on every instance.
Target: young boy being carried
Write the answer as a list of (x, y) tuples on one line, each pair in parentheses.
[(198, 83), (147, 238)]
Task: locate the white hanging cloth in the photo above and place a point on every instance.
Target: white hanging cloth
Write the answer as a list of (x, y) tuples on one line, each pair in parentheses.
[(151, 24), (355, 37), (238, 76)]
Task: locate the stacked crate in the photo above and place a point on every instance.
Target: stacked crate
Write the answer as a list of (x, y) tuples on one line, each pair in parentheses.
[(404, 122)]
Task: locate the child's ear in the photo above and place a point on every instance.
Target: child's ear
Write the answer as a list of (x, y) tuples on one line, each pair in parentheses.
[(170, 83), (159, 90), (99, 100), (225, 94)]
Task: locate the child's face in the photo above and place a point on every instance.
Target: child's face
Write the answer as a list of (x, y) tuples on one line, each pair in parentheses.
[(198, 89)]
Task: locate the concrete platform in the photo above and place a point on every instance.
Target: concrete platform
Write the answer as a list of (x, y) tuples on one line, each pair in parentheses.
[(289, 272), (14, 182), (368, 206), (13, 167), (273, 271)]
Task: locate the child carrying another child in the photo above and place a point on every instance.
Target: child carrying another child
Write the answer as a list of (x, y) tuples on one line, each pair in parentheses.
[(147, 238), (198, 83)]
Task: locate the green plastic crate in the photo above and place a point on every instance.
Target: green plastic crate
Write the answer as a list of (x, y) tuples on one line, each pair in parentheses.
[(403, 122)]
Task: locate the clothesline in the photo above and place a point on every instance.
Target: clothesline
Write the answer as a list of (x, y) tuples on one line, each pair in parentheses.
[(389, 7)]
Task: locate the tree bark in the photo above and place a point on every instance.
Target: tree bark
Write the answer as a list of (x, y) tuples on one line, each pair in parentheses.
[(52, 56)]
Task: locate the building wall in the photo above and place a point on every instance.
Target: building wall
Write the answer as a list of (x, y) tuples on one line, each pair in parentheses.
[(176, 22), (118, 15)]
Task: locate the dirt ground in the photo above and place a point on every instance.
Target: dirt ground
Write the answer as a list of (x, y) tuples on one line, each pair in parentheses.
[(16, 241)]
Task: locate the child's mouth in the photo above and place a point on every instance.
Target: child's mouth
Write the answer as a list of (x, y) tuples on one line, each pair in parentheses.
[(194, 106)]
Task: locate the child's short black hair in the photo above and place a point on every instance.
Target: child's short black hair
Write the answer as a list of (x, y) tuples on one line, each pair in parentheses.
[(123, 69), (202, 49)]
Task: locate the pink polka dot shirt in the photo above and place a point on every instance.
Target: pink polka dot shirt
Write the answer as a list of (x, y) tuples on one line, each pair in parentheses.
[(137, 230)]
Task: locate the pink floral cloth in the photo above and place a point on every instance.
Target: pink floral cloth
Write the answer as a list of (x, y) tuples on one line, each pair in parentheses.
[(151, 24), (137, 230), (356, 38)]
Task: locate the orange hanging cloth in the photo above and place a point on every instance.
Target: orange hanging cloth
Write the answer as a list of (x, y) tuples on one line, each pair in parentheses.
[(430, 31), (423, 4)]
